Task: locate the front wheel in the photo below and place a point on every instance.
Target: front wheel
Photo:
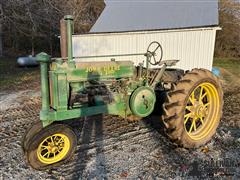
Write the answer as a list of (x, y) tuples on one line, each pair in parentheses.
[(193, 108), (31, 131), (51, 146)]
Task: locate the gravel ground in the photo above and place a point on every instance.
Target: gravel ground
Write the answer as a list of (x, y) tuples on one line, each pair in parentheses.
[(112, 148)]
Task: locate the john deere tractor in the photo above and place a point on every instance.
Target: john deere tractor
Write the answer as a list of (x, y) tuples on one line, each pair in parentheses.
[(71, 89)]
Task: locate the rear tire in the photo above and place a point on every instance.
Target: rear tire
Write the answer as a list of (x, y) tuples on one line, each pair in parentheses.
[(193, 108)]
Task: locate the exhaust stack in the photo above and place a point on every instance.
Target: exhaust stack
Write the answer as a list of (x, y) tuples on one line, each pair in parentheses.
[(66, 29)]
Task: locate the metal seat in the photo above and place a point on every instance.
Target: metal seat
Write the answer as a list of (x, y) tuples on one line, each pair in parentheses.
[(168, 62)]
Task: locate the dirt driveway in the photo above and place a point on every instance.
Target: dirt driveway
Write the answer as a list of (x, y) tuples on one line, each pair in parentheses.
[(111, 148)]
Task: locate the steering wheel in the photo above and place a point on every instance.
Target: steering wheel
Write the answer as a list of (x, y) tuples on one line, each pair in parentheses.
[(152, 53)]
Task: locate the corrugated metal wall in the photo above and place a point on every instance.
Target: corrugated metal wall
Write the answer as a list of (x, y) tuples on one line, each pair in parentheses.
[(193, 47)]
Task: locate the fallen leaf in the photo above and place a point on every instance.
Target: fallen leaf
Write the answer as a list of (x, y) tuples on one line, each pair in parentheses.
[(205, 149), (124, 174)]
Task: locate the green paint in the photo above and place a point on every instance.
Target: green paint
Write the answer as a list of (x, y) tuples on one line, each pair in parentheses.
[(62, 76), (54, 89), (62, 92), (43, 59), (51, 116), (65, 78), (142, 101), (84, 75)]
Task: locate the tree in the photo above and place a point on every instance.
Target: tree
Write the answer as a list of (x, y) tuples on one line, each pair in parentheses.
[(1, 44), (34, 24), (228, 40)]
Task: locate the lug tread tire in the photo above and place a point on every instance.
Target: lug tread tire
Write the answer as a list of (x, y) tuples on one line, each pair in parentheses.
[(174, 107)]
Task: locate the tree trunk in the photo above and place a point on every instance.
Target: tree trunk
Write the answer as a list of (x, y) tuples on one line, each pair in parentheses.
[(1, 33), (50, 40), (1, 40), (33, 48)]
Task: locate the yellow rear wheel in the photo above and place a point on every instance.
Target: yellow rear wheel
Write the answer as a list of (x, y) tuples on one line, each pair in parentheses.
[(51, 146), (193, 108), (201, 111)]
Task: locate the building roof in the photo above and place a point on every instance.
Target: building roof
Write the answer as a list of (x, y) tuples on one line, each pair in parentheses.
[(135, 15)]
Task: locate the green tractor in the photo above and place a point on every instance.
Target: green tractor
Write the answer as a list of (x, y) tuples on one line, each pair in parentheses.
[(70, 89)]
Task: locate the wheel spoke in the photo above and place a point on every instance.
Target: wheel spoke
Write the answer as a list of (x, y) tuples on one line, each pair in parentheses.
[(190, 130), (201, 119), (200, 95), (189, 108), (60, 140), (156, 48), (55, 138), (52, 141), (192, 98), (203, 96), (46, 153), (194, 125), (186, 117), (205, 105), (44, 147)]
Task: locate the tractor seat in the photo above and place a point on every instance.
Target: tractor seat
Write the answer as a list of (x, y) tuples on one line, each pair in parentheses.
[(168, 62)]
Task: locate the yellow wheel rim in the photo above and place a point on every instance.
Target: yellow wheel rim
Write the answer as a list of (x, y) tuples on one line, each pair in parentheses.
[(53, 148), (201, 111)]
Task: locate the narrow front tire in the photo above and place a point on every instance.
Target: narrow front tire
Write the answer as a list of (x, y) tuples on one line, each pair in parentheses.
[(51, 146)]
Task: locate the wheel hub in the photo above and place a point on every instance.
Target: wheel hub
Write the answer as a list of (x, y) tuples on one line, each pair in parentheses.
[(53, 149), (142, 101), (198, 110)]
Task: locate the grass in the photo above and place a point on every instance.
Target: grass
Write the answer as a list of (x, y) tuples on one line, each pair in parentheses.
[(230, 64), (13, 77), (230, 70)]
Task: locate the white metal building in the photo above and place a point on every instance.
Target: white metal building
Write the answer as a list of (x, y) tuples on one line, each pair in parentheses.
[(185, 29)]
